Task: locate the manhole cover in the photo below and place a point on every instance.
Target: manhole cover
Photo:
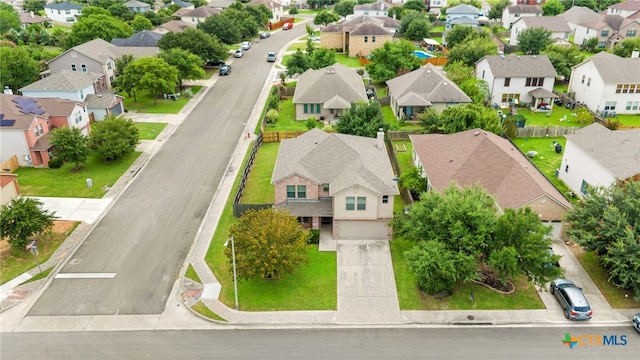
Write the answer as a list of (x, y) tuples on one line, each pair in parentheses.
[(470, 317)]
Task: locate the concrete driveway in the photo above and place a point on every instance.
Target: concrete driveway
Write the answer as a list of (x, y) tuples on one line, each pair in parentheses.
[(366, 284)]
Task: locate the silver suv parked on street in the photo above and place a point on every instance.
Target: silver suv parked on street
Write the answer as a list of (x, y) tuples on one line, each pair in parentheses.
[(571, 299)]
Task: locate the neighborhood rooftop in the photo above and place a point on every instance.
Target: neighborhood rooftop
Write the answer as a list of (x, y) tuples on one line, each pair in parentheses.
[(520, 66), (615, 69)]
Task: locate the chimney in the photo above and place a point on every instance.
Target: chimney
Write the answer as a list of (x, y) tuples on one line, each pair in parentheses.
[(380, 139), (635, 54), (8, 91)]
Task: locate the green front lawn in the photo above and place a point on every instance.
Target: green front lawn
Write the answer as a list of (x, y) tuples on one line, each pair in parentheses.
[(559, 116), (149, 130), (437, 29), (287, 121), (145, 104), (16, 262), (63, 182), (411, 298), (616, 297), (547, 160), (312, 287)]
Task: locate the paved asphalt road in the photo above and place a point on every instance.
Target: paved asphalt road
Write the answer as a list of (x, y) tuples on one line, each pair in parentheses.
[(146, 235), (381, 343)]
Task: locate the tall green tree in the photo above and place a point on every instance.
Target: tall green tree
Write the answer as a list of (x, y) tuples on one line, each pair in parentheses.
[(96, 26), (437, 268), (298, 63), (113, 138), (392, 59), (34, 6), (9, 20), (17, 68), (189, 66), (222, 26), (70, 145), (154, 75), (140, 23), (534, 40), (552, 8), (468, 116), (22, 219), (344, 7), (268, 244), (607, 221), (497, 9), (322, 58), (473, 50), (626, 47), (418, 30), (563, 58), (459, 34), (325, 17), (417, 5), (206, 46), (362, 119)]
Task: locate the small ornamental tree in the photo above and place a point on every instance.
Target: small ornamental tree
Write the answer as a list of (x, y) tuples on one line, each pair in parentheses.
[(114, 137), (362, 119), (23, 218), (268, 243), (534, 40), (70, 145)]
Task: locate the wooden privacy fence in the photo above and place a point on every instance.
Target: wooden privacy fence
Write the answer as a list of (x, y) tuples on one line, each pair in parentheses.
[(551, 131), (11, 164), (277, 136)]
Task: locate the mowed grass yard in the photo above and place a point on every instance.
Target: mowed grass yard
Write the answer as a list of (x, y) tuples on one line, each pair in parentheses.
[(547, 160), (149, 130), (65, 182), (144, 102)]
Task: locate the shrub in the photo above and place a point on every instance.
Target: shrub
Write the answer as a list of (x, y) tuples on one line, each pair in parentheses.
[(55, 163), (612, 124), (315, 237), (311, 123), (273, 101), (272, 116), (187, 93)]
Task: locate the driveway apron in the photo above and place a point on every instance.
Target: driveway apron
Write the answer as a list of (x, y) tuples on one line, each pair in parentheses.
[(366, 284)]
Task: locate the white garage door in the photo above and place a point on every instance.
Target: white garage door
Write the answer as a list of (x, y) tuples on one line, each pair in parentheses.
[(362, 230), (556, 228)]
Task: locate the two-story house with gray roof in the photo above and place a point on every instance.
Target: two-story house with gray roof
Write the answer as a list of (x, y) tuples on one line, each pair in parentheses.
[(137, 6), (378, 8), (97, 56), (326, 93), (341, 181), (607, 84), (425, 88), (557, 25), (64, 13), (597, 156), (512, 80), (462, 15), (513, 13)]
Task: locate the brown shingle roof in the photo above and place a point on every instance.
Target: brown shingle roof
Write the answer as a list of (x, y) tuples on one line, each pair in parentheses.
[(369, 28), (524, 9), (478, 157), (10, 111)]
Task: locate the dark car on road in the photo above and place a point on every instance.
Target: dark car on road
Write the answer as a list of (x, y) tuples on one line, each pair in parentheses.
[(571, 299), (265, 34), (225, 70), (636, 321), (214, 63)]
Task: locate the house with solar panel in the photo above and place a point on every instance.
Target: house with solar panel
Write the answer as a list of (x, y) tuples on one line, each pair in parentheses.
[(26, 124)]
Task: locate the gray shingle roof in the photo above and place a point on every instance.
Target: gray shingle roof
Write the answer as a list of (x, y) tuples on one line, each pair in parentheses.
[(174, 26), (612, 21), (321, 207), (520, 66), (318, 86), (343, 161), (618, 151), (30, 18), (64, 80), (370, 28), (424, 87), (479, 157), (378, 5), (199, 12), (463, 9), (100, 101), (63, 6), (145, 38), (551, 23), (135, 3), (614, 69), (579, 14), (524, 9)]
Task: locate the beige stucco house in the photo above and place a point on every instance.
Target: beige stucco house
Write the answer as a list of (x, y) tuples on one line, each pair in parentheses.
[(340, 181)]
